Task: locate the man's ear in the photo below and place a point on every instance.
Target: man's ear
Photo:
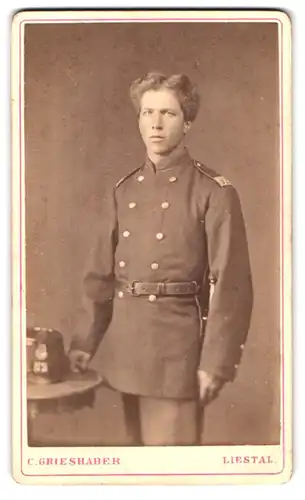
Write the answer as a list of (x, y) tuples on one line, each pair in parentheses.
[(187, 126)]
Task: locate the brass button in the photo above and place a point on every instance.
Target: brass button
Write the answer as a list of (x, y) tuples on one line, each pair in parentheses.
[(141, 178), (242, 346), (154, 266), (165, 205), (126, 234), (122, 263), (236, 366), (172, 179), (121, 294), (132, 204), (152, 298), (160, 236)]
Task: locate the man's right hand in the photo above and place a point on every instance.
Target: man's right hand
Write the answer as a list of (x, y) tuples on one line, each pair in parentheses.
[(79, 360)]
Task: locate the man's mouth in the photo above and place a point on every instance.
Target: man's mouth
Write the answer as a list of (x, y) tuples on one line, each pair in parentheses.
[(157, 138)]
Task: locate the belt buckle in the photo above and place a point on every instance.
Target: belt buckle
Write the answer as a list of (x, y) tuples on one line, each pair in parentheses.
[(132, 289), (161, 288)]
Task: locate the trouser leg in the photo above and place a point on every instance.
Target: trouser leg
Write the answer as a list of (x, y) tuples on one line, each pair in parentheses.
[(171, 422), (200, 424), (132, 419)]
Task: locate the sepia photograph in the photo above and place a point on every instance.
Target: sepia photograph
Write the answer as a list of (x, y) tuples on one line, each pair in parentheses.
[(151, 218)]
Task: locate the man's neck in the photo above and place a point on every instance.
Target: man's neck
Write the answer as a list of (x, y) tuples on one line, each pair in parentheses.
[(159, 160), (156, 159)]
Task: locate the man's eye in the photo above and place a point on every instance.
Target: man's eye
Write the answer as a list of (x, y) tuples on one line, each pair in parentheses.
[(146, 112), (170, 113)]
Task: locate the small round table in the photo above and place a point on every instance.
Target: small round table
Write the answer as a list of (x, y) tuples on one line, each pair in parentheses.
[(75, 392)]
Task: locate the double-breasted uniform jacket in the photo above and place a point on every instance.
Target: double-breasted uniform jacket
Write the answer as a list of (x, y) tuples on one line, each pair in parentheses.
[(179, 223)]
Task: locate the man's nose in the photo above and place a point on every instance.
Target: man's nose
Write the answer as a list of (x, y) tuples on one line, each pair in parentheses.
[(157, 121)]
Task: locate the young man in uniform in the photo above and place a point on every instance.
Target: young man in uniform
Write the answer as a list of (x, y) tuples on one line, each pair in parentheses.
[(169, 278)]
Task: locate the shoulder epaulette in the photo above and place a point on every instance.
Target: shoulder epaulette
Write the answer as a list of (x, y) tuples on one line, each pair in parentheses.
[(220, 179), (127, 176)]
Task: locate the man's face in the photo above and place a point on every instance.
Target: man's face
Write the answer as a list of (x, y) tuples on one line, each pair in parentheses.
[(161, 121)]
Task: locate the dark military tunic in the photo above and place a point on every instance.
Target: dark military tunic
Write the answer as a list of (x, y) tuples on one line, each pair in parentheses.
[(178, 223)]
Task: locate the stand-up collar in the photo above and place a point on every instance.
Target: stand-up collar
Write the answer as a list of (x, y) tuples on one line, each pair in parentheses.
[(179, 156)]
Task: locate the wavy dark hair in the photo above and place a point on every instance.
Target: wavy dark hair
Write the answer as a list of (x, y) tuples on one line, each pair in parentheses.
[(186, 92)]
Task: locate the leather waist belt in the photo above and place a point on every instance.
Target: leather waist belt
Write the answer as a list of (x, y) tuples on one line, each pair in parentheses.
[(138, 288)]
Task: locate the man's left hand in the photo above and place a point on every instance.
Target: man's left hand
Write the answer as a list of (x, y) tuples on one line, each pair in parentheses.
[(209, 386)]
